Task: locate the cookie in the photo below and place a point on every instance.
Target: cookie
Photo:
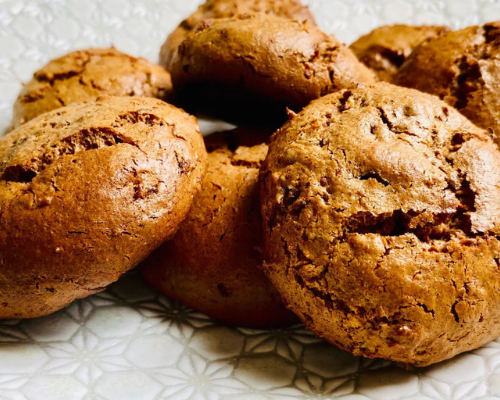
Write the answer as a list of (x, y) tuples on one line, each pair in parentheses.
[(386, 48), (255, 65), (87, 192), (230, 8), (85, 75), (462, 68), (220, 275), (381, 210)]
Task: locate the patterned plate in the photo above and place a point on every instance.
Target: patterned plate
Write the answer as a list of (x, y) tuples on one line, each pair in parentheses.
[(129, 343)]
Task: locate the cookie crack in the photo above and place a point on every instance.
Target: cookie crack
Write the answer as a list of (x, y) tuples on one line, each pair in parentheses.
[(426, 309), (246, 163), (469, 78), (184, 165), (396, 58), (371, 317), (83, 140), (467, 81), (60, 76), (141, 116), (426, 226), (454, 311), (343, 101), (462, 190), (51, 79), (376, 176)]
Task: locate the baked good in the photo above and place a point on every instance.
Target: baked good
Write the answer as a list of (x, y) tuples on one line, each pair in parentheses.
[(85, 75), (257, 64), (292, 9), (220, 275), (462, 68), (381, 210), (386, 48), (86, 193)]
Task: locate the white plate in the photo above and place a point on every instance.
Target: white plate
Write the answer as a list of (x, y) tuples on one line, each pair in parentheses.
[(131, 343)]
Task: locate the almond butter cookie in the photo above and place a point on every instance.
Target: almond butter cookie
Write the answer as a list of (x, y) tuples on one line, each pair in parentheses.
[(87, 192), (258, 64), (381, 210)]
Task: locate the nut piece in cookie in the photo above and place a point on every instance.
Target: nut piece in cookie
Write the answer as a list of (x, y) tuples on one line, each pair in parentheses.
[(461, 68), (213, 9), (386, 48), (85, 75), (212, 263), (253, 66), (381, 210), (87, 192)]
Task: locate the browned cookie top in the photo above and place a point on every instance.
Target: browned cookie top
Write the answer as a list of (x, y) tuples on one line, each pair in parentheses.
[(381, 210), (86, 193), (268, 57), (462, 68), (85, 75), (212, 263), (386, 48), (292, 9)]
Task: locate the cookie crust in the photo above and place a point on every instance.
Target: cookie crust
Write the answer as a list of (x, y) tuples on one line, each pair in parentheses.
[(255, 63), (381, 214), (86, 193)]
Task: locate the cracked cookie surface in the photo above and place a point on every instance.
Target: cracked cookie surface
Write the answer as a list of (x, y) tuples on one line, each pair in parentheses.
[(291, 9), (263, 62), (462, 68), (86, 193), (212, 263), (381, 210), (85, 75), (386, 48)]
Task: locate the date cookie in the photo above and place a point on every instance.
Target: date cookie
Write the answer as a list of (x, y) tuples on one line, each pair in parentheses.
[(381, 210), (220, 275), (213, 9), (386, 48), (462, 68), (85, 75), (258, 64), (87, 192)]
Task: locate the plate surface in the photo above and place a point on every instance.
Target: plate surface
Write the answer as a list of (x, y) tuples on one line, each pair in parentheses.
[(129, 343)]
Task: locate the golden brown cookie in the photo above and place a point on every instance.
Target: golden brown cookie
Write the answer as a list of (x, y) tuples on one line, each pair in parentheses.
[(462, 68), (212, 263), (86, 193), (292, 9), (381, 210), (257, 64), (386, 48), (85, 75)]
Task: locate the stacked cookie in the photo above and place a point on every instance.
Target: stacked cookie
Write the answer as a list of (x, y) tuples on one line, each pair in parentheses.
[(372, 214)]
